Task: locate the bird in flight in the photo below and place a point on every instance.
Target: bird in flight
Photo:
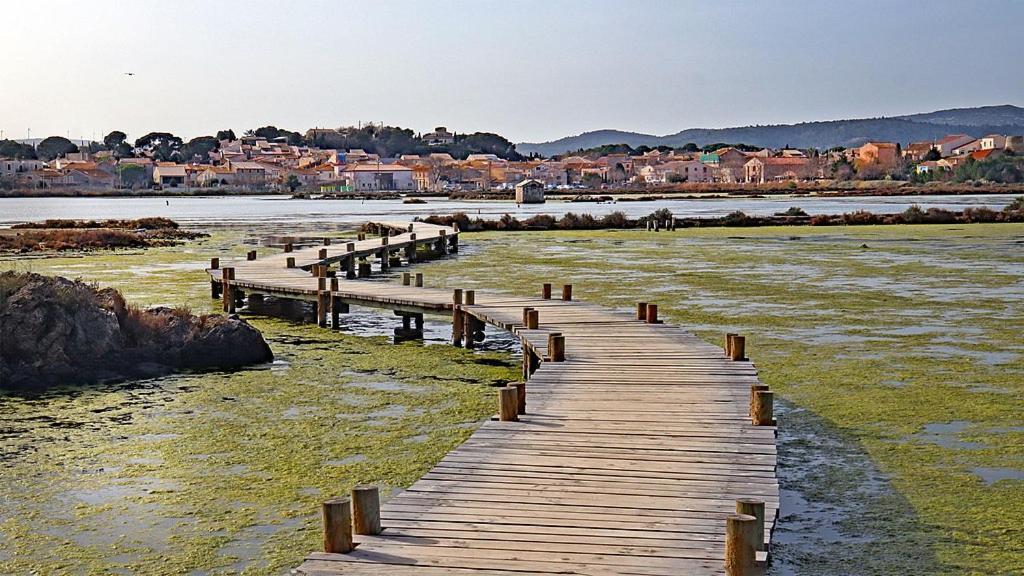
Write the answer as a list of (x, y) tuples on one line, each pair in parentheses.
[(129, 73)]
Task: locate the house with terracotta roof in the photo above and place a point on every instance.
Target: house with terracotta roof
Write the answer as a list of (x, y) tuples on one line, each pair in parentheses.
[(967, 148), (986, 154), (881, 156), (946, 145), (378, 176), (916, 151), (170, 175), (759, 170)]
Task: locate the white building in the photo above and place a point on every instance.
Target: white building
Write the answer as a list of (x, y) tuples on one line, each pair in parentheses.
[(993, 142), (15, 167), (379, 177)]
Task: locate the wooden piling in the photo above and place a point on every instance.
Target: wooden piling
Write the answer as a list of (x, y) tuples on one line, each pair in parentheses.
[(567, 292), (469, 330), (753, 507), (754, 388), (470, 297), (326, 241), (323, 302), (740, 549), (520, 396), (457, 317), (641, 311), (250, 255), (350, 247), (366, 510), (556, 347), (322, 254), (321, 283), (532, 319), (526, 313), (728, 343), (419, 279), (508, 404), (545, 291), (228, 290), (652, 314), (738, 349), (290, 262), (334, 284), (214, 263), (288, 247), (762, 406), (337, 523), (406, 278)]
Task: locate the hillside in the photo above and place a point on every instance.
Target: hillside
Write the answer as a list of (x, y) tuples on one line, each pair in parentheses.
[(928, 126)]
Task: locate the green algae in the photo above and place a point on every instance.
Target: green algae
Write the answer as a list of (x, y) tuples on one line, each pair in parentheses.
[(878, 331), (221, 473)]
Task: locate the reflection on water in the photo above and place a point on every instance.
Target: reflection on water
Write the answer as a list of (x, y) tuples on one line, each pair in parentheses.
[(285, 211)]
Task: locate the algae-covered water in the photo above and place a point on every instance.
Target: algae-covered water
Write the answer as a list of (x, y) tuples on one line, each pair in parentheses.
[(897, 352), (222, 472)]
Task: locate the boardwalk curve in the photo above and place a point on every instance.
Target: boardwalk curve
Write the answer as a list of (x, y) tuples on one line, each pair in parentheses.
[(631, 455)]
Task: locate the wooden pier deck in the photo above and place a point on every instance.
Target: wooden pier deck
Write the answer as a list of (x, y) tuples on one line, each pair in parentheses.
[(629, 459)]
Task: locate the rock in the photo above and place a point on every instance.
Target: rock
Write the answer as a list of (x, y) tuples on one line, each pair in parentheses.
[(57, 331)]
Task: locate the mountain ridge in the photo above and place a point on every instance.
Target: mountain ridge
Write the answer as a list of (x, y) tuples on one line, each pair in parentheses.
[(976, 121)]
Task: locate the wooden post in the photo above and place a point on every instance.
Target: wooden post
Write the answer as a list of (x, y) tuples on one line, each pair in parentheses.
[(508, 404), (251, 255), (652, 313), (641, 310), (334, 284), (327, 242), (753, 389), (419, 279), (337, 521), (365, 510), (532, 319), (350, 267), (406, 278), (468, 330), (350, 247), (361, 236), (383, 240), (323, 301), (738, 349), (228, 290), (740, 549), (567, 292), (290, 262), (214, 263), (336, 307), (762, 408), (457, 318), (545, 291), (753, 507), (526, 314), (288, 247), (470, 297), (556, 347), (520, 396), (215, 289), (322, 254), (728, 343)]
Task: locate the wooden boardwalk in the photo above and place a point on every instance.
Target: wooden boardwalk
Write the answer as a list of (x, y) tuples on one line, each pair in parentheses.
[(630, 457)]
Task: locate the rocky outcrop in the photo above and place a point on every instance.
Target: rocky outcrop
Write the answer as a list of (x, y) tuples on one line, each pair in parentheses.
[(58, 331)]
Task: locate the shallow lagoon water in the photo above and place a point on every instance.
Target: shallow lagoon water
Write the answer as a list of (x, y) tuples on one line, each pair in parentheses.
[(222, 473)]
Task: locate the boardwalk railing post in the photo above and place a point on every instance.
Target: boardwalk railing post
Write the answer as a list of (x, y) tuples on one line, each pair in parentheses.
[(762, 408), (470, 297), (520, 396), (337, 521), (728, 344), (334, 284), (321, 283), (250, 255), (326, 242), (508, 404), (214, 263), (406, 278), (556, 347), (288, 247), (738, 349), (641, 311), (457, 318), (740, 545), (228, 289), (753, 391), (215, 284), (290, 262), (532, 319), (322, 254), (419, 279), (545, 291), (366, 510), (567, 292), (753, 507), (526, 314), (652, 314)]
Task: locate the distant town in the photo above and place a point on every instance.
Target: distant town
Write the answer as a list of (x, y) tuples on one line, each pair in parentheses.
[(374, 158)]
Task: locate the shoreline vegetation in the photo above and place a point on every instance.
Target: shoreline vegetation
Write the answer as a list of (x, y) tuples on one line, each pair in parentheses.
[(1014, 212), (64, 235), (55, 331)]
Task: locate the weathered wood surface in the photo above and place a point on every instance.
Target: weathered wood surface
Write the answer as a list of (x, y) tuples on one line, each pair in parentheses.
[(630, 457)]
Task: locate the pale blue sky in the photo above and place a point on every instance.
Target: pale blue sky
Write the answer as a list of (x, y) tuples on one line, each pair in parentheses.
[(528, 70)]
